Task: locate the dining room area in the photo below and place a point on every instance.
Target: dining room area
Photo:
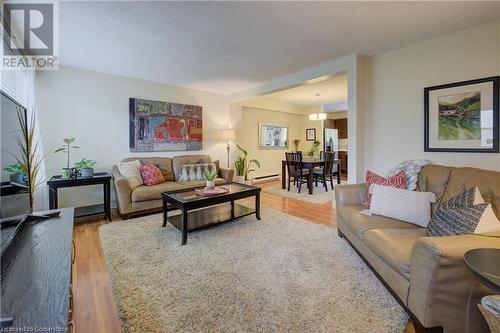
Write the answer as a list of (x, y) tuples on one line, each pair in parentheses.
[(299, 137)]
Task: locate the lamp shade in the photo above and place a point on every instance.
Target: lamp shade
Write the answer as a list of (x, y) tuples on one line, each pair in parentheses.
[(317, 116), (228, 135)]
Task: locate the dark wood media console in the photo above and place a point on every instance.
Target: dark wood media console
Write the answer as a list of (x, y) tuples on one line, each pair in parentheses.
[(36, 276)]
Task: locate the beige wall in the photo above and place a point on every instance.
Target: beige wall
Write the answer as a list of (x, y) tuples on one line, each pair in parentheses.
[(93, 107), (393, 85), (248, 136), (317, 124)]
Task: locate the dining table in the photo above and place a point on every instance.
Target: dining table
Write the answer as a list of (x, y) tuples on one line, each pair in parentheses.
[(309, 163)]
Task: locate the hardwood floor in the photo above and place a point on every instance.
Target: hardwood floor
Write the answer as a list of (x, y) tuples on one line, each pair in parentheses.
[(95, 309)]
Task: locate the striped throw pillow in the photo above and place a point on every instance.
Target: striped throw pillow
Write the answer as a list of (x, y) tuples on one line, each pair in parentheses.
[(457, 216)]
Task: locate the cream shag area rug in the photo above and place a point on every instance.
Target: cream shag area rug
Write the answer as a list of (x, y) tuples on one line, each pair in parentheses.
[(319, 196), (280, 274)]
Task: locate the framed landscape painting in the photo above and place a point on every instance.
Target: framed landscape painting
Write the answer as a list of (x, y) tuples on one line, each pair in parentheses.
[(463, 116), (164, 126)]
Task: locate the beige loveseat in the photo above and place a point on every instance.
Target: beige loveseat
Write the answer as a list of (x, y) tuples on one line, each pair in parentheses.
[(426, 274), (145, 199)]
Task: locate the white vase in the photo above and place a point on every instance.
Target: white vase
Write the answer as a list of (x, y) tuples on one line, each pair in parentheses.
[(210, 184), (239, 179)]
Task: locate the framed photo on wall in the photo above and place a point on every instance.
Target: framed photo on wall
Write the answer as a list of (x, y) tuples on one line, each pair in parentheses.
[(273, 136), (311, 134), (462, 116)]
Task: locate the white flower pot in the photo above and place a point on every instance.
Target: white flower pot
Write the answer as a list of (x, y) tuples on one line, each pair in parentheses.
[(210, 184), (239, 179)]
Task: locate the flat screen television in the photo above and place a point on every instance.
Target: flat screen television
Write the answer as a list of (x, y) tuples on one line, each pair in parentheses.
[(15, 198)]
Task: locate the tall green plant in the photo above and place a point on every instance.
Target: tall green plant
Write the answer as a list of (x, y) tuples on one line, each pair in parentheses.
[(242, 165), (67, 148), (30, 160)]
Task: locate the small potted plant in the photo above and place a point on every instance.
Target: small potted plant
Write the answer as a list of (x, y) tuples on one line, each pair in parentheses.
[(242, 166), (17, 174), (86, 167), (210, 179), (66, 148)]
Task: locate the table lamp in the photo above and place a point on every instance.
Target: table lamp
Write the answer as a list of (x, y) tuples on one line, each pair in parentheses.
[(228, 135)]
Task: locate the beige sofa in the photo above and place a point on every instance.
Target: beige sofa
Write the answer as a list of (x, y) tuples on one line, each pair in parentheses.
[(427, 275), (145, 199)]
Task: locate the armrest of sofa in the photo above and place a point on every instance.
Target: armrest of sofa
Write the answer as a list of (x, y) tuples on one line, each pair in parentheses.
[(443, 290), (226, 173), (123, 191), (350, 194)]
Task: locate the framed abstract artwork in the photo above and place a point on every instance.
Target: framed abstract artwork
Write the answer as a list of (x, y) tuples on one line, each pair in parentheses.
[(164, 126), (273, 137), (462, 116), (311, 134)]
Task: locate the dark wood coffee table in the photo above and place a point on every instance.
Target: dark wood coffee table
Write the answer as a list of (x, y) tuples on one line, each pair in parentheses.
[(200, 212)]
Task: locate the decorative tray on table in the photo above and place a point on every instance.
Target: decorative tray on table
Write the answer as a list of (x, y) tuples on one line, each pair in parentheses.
[(210, 192)]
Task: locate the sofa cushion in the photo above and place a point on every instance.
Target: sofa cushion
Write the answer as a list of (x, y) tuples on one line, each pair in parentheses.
[(179, 161), (394, 246), (151, 175), (144, 193), (196, 171), (358, 223), (164, 163), (398, 180), (199, 183), (132, 171), (487, 181), (434, 178)]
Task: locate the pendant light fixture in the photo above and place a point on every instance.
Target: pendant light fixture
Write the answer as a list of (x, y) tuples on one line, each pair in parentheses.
[(318, 116)]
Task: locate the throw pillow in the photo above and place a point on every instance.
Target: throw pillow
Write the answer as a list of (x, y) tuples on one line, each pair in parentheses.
[(196, 171), (409, 206), (411, 168), (488, 221), (151, 174), (132, 171), (398, 181), (457, 216)]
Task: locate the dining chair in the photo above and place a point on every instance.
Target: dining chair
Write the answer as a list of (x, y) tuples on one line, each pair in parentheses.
[(294, 168), (327, 171)]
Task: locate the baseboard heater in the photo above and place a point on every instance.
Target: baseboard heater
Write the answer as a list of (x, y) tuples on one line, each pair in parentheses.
[(267, 178)]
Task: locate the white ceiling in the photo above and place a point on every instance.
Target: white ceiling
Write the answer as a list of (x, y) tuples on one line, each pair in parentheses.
[(226, 47), (332, 91)]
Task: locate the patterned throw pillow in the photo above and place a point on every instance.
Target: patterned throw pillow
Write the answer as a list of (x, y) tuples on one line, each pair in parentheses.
[(397, 181), (151, 174), (457, 216), (411, 168), (489, 221), (196, 171), (132, 171)]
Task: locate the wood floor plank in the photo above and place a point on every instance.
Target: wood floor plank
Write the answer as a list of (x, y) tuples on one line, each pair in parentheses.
[(95, 308)]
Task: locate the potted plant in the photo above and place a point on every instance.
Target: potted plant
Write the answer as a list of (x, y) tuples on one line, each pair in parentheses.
[(66, 148), (210, 179), (86, 167), (242, 166), (296, 144), (17, 174), (31, 158), (314, 148)]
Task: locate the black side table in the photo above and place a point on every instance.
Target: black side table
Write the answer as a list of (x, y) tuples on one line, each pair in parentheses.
[(485, 265), (103, 178)]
